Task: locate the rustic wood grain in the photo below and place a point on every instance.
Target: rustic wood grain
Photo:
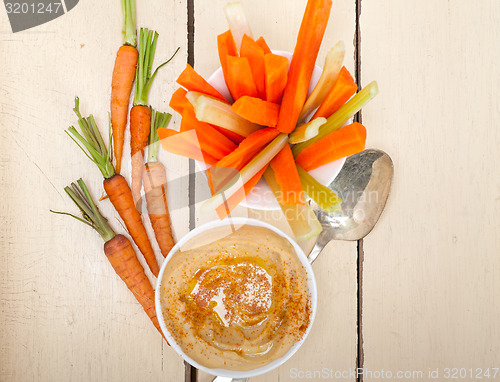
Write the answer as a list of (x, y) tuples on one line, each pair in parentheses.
[(65, 314), (431, 285)]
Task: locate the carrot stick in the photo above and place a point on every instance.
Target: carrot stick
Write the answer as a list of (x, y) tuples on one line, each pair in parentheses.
[(232, 202), (178, 100), (140, 115), (257, 111), (123, 79), (248, 148), (343, 89), (340, 143), (211, 141), (255, 55), (231, 135), (117, 248), (304, 56), (193, 81), (239, 78), (276, 74), (184, 144), (155, 186), (226, 47), (287, 177), (115, 185), (263, 44)]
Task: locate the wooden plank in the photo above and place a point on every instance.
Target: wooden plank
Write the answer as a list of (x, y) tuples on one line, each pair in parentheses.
[(431, 285), (65, 315), (332, 342)]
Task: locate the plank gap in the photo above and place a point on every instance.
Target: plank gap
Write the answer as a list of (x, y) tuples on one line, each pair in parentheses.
[(191, 373), (360, 258)]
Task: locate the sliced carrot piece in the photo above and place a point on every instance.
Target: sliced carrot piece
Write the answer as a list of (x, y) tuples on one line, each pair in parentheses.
[(304, 57), (184, 144), (263, 45), (211, 141), (231, 135), (239, 78), (287, 177), (257, 111), (343, 89), (226, 47), (276, 73), (255, 55), (340, 143), (191, 80), (179, 100), (232, 202), (248, 148)]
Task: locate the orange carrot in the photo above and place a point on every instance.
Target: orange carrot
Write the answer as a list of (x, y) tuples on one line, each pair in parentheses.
[(239, 78), (276, 71), (343, 89), (140, 125), (184, 144), (210, 140), (226, 47), (140, 115), (304, 56), (340, 143), (193, 81), (287, 177), (248, 148), (115, 185), (120, 196), (117, 248), (178, 101), (263, 44), (123, 80), (231, 135), (257, 111), (124, 261), (255, 55), (232, 202), (155, 186)]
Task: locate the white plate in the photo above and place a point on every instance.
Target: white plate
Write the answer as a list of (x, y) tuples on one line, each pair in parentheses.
[(261, 197)]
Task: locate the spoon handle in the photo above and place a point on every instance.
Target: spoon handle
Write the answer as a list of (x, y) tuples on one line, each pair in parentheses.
[(318, 247)]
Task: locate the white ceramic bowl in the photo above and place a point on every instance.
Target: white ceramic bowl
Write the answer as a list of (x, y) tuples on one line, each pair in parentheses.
[(311, 284), (261, 197)]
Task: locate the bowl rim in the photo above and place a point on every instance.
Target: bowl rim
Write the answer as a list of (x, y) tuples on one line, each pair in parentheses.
[(311, 283)]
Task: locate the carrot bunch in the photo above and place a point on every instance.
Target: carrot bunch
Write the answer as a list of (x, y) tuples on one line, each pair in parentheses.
[(265, 121), (117, 248)]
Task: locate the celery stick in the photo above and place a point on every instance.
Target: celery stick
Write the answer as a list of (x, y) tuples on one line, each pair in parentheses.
[(342, 115), (331, 70), (301, 218), (307, 131), (192, 97), (216, 112), (235, 15), (322, 195), (246, 173)]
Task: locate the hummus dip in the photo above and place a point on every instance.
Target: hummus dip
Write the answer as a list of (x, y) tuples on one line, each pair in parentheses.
[(238, 302)]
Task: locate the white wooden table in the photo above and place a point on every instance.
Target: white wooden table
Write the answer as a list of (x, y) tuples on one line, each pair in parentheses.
[(421, 293)]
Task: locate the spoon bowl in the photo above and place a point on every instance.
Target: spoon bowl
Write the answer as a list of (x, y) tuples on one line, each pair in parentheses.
[(363, 184)]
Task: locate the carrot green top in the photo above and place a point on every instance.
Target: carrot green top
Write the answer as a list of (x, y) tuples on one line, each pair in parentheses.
[(90, 213), (129, 31), (93, 145), (143, 76), (158, 120)]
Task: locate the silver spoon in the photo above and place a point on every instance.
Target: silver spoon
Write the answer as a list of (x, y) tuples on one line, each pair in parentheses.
[(363, 184)]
